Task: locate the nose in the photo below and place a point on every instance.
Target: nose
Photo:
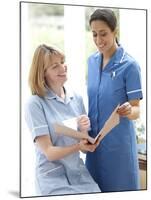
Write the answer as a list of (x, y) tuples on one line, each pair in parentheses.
[(98, 40), (64, 67)]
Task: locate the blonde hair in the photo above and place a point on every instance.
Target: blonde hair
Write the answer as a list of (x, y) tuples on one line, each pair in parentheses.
[(41, 57)]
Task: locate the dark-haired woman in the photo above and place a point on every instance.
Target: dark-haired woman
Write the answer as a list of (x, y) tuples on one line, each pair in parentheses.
[(113, 78)]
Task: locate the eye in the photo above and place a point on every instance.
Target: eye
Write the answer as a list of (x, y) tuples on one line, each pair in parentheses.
[(103, 34), (55, 66), (94, 35), (62, 62)]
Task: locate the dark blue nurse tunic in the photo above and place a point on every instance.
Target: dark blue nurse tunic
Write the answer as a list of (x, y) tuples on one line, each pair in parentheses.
[(114, 164)]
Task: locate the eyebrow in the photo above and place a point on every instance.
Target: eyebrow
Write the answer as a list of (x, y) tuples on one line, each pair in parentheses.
[(55, 63), (100, 31)]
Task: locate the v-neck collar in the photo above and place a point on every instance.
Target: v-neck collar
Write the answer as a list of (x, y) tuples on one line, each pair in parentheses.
[(51, 95), (115, 59)]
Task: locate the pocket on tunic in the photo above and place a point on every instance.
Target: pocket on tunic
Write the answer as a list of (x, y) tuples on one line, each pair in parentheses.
[(52, 172), (52, 180), (120, 91), (118, 88), (119, 94)]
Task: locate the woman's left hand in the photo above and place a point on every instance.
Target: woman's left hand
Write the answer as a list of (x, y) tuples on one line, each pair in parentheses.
[(83, 123), (125, 109), (85, 146)]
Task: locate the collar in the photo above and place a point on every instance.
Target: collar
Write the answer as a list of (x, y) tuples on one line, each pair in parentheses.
[(51, 95), (117, 57)]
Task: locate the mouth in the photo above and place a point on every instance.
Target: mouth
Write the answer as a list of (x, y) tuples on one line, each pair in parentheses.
[(101, 46), (62, 75)]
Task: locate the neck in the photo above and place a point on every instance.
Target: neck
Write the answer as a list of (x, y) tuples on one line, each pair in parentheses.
[(107, 55), (58, 91)]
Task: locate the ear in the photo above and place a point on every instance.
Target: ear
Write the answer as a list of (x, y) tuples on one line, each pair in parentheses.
[(115, 32), (44, 82), (44, 76)]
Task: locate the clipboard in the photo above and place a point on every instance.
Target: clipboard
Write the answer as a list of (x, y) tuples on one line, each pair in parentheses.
[(112, 121), (64, 130)]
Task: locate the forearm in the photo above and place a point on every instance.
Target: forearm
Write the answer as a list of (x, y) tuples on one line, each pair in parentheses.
[(56, 152)]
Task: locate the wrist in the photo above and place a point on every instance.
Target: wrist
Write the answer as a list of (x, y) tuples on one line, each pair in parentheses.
[(77, 146)]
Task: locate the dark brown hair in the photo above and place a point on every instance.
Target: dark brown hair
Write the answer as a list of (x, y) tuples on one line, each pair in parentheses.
[(105, 15)]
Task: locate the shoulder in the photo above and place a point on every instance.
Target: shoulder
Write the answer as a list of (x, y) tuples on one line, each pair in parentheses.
[(130, 59), (77, 95), (130, 66), (131, 63), (33, 102), (94, 55), (72, 93)]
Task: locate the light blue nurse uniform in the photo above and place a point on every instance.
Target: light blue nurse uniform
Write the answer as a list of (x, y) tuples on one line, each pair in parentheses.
[(114, 164), (68, 175)]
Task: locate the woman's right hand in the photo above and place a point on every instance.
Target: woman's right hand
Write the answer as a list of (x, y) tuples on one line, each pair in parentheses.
[(86, 146), (83, 123)]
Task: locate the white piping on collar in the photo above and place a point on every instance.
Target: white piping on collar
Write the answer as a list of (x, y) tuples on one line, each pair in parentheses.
[(97, 53), (122, 57), (47, 97), (68, 94)]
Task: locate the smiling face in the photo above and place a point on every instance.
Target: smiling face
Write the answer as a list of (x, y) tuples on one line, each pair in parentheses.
[(103, 36), (56, 70)]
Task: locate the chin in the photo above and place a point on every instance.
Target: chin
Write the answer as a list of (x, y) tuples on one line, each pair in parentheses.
[(101, 49), (104, 50), (63, 81)]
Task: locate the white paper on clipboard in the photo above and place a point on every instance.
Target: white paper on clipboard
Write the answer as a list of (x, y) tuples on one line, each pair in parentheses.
[(71, 123)]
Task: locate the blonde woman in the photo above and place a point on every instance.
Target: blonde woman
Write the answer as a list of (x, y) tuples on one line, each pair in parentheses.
[(59, 169)]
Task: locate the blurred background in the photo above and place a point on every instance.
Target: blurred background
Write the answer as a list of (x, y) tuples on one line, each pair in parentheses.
[(66, 26)]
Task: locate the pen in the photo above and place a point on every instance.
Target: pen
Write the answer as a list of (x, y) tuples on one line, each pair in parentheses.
[(113, 75)]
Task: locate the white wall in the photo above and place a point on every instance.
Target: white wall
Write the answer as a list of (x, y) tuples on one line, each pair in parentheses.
[(74, 39), (133, 39)]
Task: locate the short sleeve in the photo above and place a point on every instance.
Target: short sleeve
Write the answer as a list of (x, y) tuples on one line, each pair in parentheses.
[(133, 82), (35, 118)]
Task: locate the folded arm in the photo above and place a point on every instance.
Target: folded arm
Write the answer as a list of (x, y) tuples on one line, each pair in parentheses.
[(44, 143)]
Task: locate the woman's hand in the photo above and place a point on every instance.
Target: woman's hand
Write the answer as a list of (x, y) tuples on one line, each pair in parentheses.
[(83, 123), (86, 146), (130, 109), (125, 109)]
